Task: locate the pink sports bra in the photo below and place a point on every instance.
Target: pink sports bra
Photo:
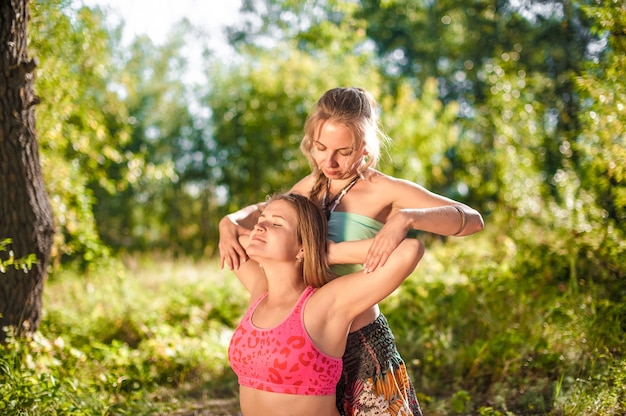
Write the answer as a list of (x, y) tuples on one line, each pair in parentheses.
[(282, 359)]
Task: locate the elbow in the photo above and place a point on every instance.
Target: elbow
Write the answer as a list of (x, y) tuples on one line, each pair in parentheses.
[(479, 223), (419, 252), (414, 251), (474, 224)]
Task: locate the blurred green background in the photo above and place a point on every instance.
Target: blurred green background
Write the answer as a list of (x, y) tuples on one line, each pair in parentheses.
[(514, 108)]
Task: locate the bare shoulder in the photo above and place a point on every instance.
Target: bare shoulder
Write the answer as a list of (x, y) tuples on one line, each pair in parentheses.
[(304, 185), (403, 193), (391, 183)]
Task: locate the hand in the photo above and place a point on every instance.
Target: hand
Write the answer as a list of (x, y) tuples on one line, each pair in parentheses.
[(385, 242), (231, 251)]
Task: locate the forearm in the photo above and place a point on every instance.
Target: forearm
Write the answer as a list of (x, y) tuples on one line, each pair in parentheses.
[(449, 220), (349, 252), (246, 217)]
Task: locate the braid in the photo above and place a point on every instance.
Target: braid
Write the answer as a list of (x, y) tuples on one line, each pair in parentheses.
[(318, 186)]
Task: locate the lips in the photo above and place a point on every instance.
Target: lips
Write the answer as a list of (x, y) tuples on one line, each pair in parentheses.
[(256, 238), (331, 174)]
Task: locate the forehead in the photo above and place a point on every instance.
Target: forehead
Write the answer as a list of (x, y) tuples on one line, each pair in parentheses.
[(280, 208), (334, 134)]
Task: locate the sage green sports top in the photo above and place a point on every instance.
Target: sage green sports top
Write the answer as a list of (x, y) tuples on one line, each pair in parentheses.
[(347, 226)]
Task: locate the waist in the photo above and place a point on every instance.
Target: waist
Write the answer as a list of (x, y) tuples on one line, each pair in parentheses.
[(257, 402)]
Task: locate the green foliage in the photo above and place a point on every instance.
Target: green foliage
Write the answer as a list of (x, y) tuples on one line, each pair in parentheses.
[(32, 381), (480, 333), (23, 263), (73, 49), (525, 121), (142, 340), (124, 156), (145, 161), (329, 26), (423, 134), (478, 326), (601, 145), (156, 207)]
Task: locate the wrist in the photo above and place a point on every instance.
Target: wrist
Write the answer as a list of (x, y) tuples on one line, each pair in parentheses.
[(463, 220), (243, 214), (232, 218), (408, 217)]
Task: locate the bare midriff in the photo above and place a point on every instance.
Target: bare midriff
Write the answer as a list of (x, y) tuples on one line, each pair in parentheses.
[(262, 403)]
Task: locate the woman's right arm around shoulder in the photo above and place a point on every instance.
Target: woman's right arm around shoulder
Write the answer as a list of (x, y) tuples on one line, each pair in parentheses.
[(231, 227)]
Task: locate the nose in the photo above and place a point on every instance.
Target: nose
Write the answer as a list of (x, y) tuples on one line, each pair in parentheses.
[(331, 159)]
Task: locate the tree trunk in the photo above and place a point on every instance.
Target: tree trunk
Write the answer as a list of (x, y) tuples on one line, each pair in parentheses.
[(25, 212)]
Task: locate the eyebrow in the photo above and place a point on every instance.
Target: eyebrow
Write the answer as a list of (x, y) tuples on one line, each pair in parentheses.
[(341, 148), (272, 216)]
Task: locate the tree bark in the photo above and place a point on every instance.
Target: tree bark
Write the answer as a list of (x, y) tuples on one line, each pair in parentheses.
[(25, 212)]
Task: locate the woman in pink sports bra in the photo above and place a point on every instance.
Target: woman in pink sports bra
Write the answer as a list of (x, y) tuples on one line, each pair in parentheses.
[(287, 349)]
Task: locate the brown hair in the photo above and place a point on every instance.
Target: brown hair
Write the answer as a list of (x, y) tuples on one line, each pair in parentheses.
[(312, 231), (355, 108)]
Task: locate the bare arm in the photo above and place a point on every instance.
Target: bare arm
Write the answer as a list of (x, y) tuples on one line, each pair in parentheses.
[(231, 227), (421, 209), (349, 252), (250, 274), (359, 291), (455, 219), (416, 208), (332, 309)]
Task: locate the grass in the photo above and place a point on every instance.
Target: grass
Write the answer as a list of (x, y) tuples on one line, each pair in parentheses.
[(149, 336)]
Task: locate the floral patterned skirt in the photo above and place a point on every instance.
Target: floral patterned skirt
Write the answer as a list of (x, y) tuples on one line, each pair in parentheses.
[(374, 379)]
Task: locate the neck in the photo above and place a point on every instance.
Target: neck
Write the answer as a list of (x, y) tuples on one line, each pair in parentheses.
[(338, 184), (330, 203), (283, 281)]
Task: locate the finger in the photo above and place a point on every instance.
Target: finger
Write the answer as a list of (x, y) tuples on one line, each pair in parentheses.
[(229, 261), (235, 262), (383, 258), (241, 257), (378, 257), (371, 261)]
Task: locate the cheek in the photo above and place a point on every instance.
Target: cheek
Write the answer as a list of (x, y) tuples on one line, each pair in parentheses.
[(318, 156), (350, 162)]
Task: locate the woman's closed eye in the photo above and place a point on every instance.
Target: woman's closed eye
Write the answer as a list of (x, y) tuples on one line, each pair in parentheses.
[(341, 152)]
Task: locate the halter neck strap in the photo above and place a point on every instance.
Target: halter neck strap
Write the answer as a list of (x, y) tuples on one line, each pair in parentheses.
[(337, 198)]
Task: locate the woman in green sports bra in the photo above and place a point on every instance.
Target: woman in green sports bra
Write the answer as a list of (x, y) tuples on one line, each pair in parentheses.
[(342, 141)]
